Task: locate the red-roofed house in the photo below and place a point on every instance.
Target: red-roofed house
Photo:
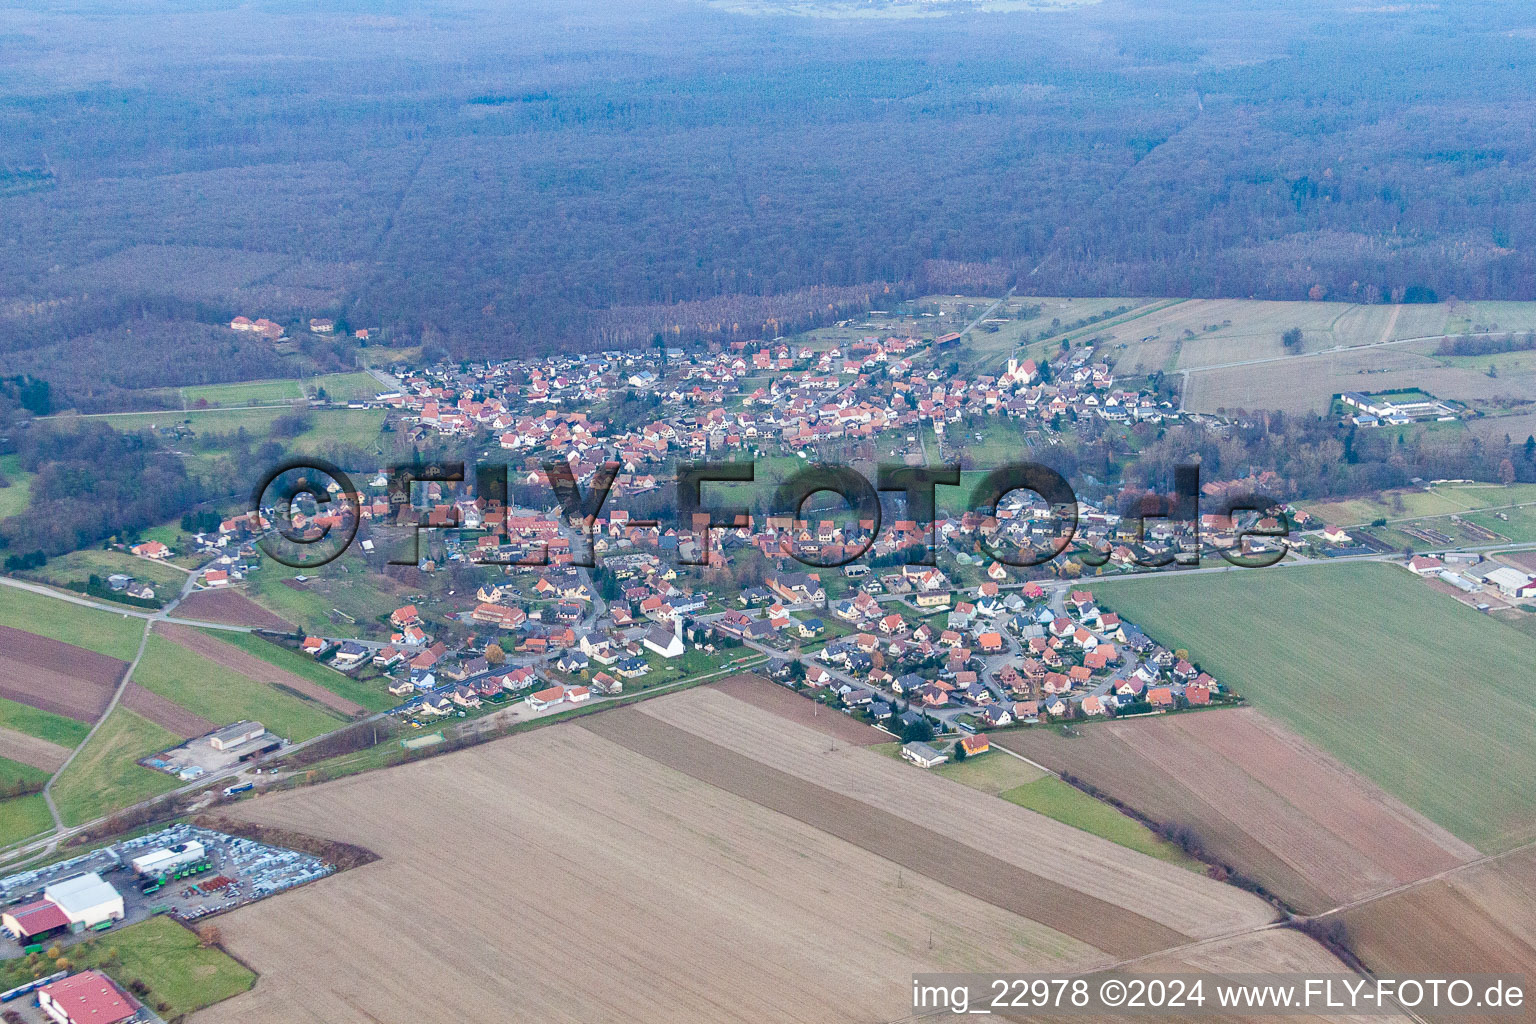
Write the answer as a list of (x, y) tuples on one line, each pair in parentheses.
[(89, 997)]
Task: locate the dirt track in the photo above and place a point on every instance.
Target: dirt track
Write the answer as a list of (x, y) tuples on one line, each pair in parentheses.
[(250, 666), (232, 608), (1482, 920), (166, 713), (18, 746), (56, 677)]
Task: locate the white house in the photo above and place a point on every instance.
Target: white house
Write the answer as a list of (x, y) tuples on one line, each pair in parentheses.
[(922, 755), (668, 644)]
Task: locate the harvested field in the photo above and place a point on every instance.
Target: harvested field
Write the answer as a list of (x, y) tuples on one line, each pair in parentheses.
[(1481, 920), (1260, 798), (1277, 950), (232, 608), (1308, 383), (165, 713), (18, 746), (927, 852), (770, 696), (1145, 889), (1523, 559), (57, 677), (636, 893), (252, 667)]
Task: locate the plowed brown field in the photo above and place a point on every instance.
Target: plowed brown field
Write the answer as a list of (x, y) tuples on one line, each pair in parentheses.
[(1176, 899), (782, 701), (232, 608), (18, 746), (1260, 798), (1480, 920), (166, 713), (743, 868), (589, 883), (56, 677)]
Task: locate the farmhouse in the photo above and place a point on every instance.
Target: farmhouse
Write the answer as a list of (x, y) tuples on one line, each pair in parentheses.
[(1511, 582), (1373, 410), (89, 997)]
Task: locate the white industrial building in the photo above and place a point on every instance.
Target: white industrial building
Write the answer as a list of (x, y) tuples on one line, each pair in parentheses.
[(233, 735), (1511, 582), (158, 863), (86, 900)]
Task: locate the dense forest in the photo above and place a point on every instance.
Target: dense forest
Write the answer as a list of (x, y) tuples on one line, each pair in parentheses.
[(583, 173)]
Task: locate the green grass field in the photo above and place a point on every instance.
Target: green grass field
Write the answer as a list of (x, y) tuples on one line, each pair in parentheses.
[(1520, 527), (372, 695), (222, 696), (100, 631), (1424, 696), (1055, 799), (345, 387), (45, 725), (13, 499), (23, 817), (15, 771), (346, 426), (1358, 511), (105, 777), (339, 387), (994, 772), (179, 971), (79, 566), (253, 392), (1443, 500), (358, 591)]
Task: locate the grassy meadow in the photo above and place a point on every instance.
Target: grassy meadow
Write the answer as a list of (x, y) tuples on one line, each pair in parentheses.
[(222, 696), (103, 632), (105, 776), (1422, 695), (1056, 799), (45, 725)]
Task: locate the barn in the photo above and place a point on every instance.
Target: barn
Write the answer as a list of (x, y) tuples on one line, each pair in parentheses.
[(89, 996), (34, 921)]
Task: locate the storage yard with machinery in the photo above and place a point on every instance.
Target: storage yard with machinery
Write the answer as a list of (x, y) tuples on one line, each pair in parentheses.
[(185, 871)]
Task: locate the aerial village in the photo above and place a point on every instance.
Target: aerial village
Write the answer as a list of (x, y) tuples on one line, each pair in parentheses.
[(925, 633)]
